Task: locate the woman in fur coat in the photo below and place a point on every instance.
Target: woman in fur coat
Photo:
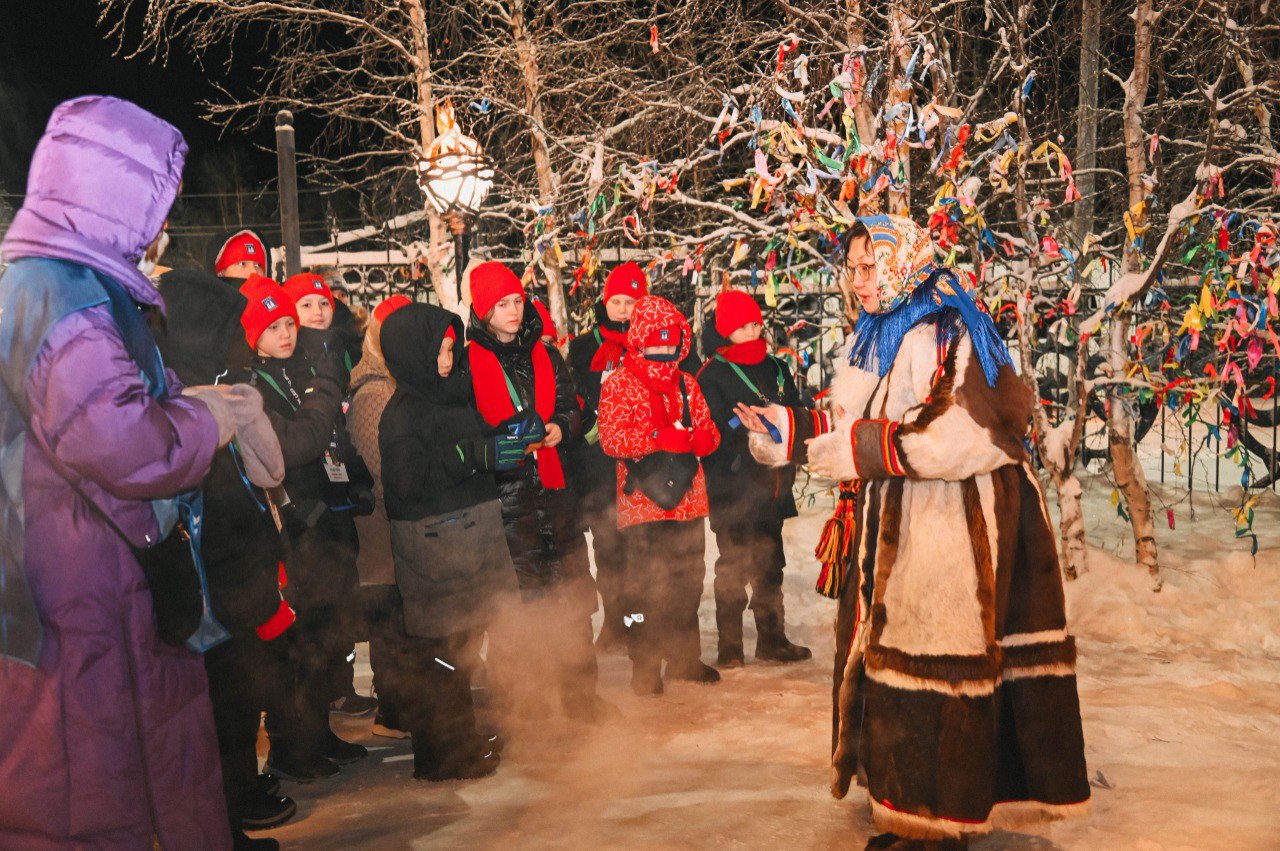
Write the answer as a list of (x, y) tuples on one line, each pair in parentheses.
[(955, 688)]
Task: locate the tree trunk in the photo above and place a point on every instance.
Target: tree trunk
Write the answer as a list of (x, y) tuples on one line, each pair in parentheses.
[(1087, 117), (437, 233), (1130, 479), (863, 115), (547, 178)]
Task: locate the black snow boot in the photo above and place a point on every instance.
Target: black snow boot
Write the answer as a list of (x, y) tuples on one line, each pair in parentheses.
[(694, 672), (267, 811), (461, 763), (343, 752), (781, 650), (242, 842), (301, 770), (771, 639)]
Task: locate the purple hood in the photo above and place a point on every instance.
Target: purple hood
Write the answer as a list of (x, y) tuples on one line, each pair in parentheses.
[(102, 180)]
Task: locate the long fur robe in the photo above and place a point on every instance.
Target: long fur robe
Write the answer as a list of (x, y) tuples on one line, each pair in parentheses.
[(954, 688)]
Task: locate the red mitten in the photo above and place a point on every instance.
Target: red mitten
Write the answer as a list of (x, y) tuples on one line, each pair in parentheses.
[(672, 439), (704, 442)]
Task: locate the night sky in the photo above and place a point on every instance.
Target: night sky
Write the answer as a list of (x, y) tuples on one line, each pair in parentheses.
[(51, 50)]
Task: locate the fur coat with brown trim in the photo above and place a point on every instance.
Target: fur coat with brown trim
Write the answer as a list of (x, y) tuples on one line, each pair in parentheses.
[(954, 689)]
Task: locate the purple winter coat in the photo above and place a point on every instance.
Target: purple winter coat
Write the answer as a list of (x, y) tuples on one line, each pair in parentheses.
[(110, 741)]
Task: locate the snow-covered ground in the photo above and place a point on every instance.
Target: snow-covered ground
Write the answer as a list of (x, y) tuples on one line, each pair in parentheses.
[(1180, 693)]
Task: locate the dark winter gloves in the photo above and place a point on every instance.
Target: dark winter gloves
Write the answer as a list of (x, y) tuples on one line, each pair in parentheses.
[(238, 410)]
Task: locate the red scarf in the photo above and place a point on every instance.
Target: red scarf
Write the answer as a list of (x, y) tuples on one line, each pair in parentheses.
[(751, 352), (612, 348), (495, 404)]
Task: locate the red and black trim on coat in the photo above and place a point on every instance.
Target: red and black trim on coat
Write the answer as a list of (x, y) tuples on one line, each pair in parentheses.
[(804, 424), (876, 451)]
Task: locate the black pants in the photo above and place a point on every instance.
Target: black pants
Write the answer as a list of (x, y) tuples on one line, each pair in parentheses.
[(665, 568), (298, 713), (751, 554), (428, 681), (239, 671), (600, 515)]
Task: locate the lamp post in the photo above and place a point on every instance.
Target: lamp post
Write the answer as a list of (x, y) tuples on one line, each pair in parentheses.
[(456, 176)]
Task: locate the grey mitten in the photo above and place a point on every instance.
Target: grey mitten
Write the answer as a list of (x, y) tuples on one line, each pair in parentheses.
[(219, 406), (256, 439)]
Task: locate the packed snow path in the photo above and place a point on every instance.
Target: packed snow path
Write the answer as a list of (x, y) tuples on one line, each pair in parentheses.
[(1180, 693)]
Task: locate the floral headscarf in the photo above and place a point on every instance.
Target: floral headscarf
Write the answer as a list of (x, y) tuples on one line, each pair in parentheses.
[(915, 289), (903, 252)]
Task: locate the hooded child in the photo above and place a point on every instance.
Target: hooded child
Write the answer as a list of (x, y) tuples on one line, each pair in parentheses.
[(748, 502), (453, 569), (543, 646), (654, 420), (955, 686)]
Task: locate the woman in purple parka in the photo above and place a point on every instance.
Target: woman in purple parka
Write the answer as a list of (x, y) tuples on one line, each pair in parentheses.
[(106, 733)]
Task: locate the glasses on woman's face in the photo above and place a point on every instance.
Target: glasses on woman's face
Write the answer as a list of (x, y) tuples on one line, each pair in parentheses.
[(864, 272)]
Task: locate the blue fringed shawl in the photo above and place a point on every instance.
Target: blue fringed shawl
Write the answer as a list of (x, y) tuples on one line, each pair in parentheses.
[(943, 299)]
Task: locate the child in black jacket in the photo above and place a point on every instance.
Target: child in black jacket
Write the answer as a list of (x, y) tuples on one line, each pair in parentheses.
[(452, 565), (748, 502), (304, 405), (545, 644)]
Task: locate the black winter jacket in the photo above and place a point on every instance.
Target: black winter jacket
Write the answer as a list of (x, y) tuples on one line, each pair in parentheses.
[(542, 527), (738, 488), (451, 557), (200, 339), (305, 410), (423, 474)]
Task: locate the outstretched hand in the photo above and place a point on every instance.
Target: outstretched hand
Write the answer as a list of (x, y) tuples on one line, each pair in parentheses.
[(751, 417)]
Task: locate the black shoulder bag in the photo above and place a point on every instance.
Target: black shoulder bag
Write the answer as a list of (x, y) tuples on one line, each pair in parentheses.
[(664, 477)]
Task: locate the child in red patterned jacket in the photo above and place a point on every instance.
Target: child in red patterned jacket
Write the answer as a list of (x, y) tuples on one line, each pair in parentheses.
[(655, 421)]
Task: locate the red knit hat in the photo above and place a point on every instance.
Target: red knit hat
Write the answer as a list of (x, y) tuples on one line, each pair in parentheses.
[(628, 279), (390, 306), (244, 245), (491, 282), (267, 302), (734, 308), (308, 283)]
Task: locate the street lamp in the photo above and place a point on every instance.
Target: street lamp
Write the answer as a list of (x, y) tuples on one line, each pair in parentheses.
[(455, 175)]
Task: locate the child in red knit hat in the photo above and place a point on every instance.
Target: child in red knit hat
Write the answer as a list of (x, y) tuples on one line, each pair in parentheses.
[(748, 502), (592, 358), (521, 383), (325, 485)]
